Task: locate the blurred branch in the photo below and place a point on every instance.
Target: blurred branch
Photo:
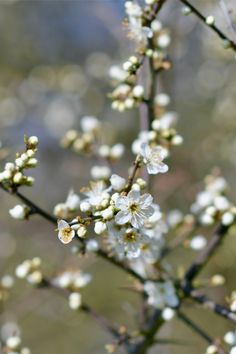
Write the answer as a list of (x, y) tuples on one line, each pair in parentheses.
[(212, 306), (220, 34), (228, 19), (205, 254), (195, 327)]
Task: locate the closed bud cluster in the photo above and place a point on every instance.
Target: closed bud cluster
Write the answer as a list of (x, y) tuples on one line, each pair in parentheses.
[(31, 271), (13, 345), (69, 207), (212, 205), (13, 175)]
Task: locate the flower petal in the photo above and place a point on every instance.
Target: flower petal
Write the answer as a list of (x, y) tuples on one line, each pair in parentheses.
[(122, 217)]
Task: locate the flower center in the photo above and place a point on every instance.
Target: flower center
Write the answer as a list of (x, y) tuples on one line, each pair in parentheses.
[(133, 207), (67, 232), (130, 236)]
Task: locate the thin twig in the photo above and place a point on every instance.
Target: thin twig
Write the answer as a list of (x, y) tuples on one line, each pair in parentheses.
[(206, 253), (221, 34), (195, 327), (227, 18)]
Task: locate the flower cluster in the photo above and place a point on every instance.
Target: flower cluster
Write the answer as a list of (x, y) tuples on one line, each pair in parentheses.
[(13, 345), (73, 281), (13, 175), (161, 295), (69, 207), (88, 141), (31, 271), (212, 205)]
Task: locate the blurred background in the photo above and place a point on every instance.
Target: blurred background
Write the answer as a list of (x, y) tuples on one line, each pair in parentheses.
[(54, 62)]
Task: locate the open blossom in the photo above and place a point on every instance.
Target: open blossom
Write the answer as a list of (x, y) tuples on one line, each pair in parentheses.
[(65, 232), (96, 193), (161, 295), (134, 208), (153, 157), (127, 242)]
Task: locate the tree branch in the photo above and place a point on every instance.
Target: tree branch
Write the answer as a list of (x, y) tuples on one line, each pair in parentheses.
[(220, 34)]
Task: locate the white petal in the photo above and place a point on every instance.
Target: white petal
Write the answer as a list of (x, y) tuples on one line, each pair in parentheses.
[(123, 217)]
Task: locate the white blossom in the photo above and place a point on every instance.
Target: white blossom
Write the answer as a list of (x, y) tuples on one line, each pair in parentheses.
[(65, 232), (89, 124), (134, 208), (161, 294), (153, 158), (19, 212), (75, 301), (118, 183)]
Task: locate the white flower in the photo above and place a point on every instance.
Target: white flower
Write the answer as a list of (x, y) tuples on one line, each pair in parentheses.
[(118, 183), (65, 232), (126, 242), (33, 140), (23, 269), (161, 294), (100, 172), (233, 350), (13, 342), (35, 277), (72, 201), (168, 314), (75, 300), (134, 208), (153, 158), (96, 193), (19, 212), (117, 151), (230, 338), (92, 245), (89, 124), (162, 99), (198, 242), (165, 122)]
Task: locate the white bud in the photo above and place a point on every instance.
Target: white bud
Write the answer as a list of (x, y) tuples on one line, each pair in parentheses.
[(10, 166), (127, 65), (32, 162), (210, 20), (7, 174), (138, 91), (163, 40), (18, 212), (22, 270), (13, 342), (162, 99), (177, 140), (99, 227), (108, 213), (7, 281), (33, 140), (227, 218), (221, 202), (168, 314), (92, 245), (100, 172), (117, 151), (85, 206), (89, 124), (30, 153), (81, 232), (19, 162), (35, 277), (18, 177), (104, 151), (156, 26), (75, 301), (118, 183), (198, 242)]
